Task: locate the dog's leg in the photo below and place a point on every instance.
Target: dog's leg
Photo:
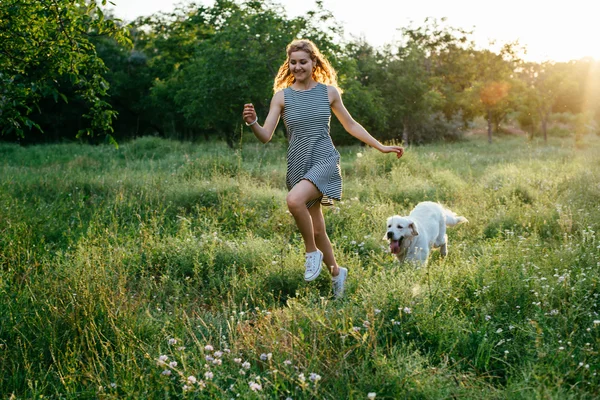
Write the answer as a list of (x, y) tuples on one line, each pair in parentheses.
[(444, 247), (442, 240)]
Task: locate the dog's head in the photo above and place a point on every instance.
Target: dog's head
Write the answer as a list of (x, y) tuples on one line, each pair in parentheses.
[(398, 230)]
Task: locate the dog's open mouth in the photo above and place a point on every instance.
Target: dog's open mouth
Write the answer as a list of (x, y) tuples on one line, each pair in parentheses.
[(395, 246)]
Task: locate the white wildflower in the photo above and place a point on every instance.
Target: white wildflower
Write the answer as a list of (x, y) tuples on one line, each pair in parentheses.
[(255, 386), (314, 377), (162, 360)]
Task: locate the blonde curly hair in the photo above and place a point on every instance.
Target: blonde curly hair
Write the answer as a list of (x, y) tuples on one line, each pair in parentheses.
[(323, 71)]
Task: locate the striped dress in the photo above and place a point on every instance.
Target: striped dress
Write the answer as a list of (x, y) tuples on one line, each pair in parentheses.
[(311, 154)]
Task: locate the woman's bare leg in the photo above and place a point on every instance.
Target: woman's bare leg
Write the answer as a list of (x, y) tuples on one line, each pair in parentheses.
[(322, 239), (303, 192)]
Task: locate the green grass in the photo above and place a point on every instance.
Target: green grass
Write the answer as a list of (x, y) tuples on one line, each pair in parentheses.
[(111, 258)]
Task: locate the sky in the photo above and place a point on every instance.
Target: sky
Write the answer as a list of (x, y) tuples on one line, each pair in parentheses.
[(550, 30)]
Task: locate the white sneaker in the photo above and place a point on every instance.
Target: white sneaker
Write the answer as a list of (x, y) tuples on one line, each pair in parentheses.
[(313, 265), (338, 283)]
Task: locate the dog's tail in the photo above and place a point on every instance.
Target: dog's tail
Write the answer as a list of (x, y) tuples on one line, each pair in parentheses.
[(453, 219)]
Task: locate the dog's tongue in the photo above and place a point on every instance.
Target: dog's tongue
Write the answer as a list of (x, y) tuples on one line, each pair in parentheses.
[(394, 246)]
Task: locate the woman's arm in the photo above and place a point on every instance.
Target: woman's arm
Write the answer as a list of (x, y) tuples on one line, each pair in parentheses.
[(265, 133), (353, 127)]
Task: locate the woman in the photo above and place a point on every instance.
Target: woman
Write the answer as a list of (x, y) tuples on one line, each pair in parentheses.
[(305, 94)]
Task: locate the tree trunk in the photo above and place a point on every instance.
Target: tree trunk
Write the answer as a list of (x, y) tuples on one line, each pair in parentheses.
[(545, 128), (405, 132), (489, 121)]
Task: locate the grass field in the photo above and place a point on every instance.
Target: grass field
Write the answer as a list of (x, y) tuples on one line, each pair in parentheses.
[(173, 270)]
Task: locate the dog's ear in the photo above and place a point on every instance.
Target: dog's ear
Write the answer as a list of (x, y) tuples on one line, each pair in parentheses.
[(413, 229)]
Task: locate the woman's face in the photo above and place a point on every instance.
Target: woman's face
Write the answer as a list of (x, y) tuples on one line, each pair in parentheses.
[(301, 65)]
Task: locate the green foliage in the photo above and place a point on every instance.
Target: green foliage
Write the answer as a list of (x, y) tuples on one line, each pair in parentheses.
[(420, 83), (358, 74), (549, 82), (226, 74), (494, 89), (191, 70), (111, 258), (230, 51), (46, 53), (163, 45)]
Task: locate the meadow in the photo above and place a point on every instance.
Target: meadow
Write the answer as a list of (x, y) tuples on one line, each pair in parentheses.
[(164, 269)]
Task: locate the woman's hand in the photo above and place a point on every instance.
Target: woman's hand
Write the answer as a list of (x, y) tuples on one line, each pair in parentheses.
[(399, 150), (249, 114)]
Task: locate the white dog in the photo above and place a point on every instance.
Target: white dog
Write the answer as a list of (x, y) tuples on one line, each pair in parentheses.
[(411, 238)]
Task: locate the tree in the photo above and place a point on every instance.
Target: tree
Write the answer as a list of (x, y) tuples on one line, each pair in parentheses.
[(164, 44), (239, 62), (547, 83), (449, 62), (415, 80), (493, 96), (358, 70), (493, 83), (46, 52), (407, 91), (584, 95)]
